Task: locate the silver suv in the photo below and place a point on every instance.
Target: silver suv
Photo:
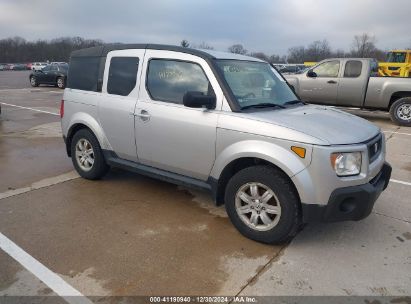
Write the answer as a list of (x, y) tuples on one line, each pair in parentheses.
[(226, 123)]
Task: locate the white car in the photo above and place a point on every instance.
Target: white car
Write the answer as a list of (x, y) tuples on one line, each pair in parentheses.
[(36, 66)]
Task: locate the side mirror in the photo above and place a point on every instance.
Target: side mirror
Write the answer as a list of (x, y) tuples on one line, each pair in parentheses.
[(196, 99), (311, 74)]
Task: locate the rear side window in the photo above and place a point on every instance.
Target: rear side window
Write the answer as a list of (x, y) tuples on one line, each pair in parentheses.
[(169, 80), (122, 75), (374, 68), (353, 69), (83, 73)]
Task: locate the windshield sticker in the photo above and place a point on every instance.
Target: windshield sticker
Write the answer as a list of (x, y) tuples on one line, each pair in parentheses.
[(170, 74)]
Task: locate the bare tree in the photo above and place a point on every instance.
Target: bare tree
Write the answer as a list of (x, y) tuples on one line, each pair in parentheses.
[(318, 50), (237, 49), (363, 46), (260, 55), (185, 43), (205, 46), (277, 59), (339, 53), (296, 54)]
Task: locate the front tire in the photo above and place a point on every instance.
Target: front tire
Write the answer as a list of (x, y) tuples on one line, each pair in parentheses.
[(33, 81), (263, 205), (400, 111), (87, 155)]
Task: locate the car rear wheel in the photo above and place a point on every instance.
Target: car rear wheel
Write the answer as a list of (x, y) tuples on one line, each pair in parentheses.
[(33, 81), (60, 83), (263, 205), (400, 111), (87, 155)]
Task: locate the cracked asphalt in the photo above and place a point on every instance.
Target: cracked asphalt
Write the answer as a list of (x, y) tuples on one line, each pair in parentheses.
[(131, 235)]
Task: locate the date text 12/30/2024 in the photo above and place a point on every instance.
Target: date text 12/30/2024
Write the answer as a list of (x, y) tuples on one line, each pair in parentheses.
[(202, 299)]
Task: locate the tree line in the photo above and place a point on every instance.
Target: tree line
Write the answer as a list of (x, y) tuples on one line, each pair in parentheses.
[(362, 46), (17, 49)]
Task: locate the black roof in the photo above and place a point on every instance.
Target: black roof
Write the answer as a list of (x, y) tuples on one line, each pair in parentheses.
[(101, 51)]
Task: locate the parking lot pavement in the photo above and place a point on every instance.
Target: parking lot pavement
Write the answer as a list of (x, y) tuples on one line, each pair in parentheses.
[(31, 144), (14, 79), (131, 235)]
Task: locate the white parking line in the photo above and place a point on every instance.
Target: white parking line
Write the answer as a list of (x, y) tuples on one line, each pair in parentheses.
[(400, 182), (26, 108), (48, 277)]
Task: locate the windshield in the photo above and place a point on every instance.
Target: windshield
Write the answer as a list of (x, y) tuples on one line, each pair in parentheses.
[(63, 67), (396, 57), (255, 83)]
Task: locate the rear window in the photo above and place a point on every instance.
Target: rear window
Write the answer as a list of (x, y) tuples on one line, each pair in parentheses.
[(353, 69), (122, 75), (83, 73)]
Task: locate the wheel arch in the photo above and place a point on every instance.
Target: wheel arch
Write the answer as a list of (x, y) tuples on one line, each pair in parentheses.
[(88, 122), (264, 154), (398, 95)]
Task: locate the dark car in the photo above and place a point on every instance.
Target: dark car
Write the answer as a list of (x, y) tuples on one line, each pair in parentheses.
[(55, 74)]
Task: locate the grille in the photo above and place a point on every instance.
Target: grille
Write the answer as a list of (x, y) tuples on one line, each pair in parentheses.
[(374, 147)]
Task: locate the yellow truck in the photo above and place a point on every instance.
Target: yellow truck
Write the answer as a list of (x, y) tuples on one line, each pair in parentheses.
[(398, 64)]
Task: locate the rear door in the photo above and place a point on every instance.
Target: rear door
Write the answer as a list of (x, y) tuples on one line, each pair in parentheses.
[(353, 83), (52, 74), (169, 135), (322, 88), (119, 97)]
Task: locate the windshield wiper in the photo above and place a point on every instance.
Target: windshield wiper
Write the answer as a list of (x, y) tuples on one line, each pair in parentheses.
[(294, 102), (263, 105)]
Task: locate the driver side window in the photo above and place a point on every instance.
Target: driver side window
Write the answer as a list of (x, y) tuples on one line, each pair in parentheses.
[(327, 69)]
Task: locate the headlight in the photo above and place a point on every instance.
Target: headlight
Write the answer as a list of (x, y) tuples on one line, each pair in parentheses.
[(346, 164)]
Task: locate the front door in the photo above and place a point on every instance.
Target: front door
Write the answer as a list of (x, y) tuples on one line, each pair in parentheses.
[(323, 87), (118, 99), (170, 136)]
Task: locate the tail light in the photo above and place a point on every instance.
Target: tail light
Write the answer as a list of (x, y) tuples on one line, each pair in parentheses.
[(62, 108)]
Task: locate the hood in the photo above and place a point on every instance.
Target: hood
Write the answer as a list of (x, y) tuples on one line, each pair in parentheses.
[(326, 123)]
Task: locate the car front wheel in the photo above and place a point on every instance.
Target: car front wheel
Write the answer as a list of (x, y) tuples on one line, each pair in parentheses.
[(263, 205), (33, 81)]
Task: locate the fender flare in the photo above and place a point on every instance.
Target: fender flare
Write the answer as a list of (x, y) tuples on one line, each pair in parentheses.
[(277, 155), (91, 123)]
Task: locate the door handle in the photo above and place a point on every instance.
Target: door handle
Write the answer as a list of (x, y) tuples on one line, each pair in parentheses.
[(332, 81), (144, 115)]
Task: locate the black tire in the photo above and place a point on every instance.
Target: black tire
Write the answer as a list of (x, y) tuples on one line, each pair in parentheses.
[(99, 168), (60, 82), (394, 111), (290, 219), (33, 81)]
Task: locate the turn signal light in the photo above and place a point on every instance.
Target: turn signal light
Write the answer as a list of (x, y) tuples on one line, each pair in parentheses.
[(299, 151)]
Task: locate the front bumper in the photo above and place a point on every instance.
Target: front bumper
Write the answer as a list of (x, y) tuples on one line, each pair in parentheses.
[(351, 203)]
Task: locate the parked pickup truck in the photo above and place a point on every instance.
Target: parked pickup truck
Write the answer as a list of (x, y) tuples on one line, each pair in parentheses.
[(226, 123), (353, 82)]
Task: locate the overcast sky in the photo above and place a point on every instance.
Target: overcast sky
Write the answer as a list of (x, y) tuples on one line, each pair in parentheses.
[(271, 26)]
